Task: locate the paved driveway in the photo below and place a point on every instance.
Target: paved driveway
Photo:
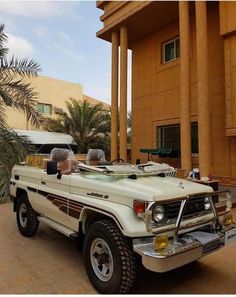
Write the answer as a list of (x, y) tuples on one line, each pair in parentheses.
[(50, 263)]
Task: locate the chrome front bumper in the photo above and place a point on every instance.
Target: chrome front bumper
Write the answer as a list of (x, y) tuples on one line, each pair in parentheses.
[(187, 247), (175, 256), (192, 246)]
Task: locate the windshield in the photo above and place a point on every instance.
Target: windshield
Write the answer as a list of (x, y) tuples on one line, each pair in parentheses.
[(150, 168)]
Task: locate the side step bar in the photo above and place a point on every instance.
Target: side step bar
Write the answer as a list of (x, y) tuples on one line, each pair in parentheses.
[(58, 227)]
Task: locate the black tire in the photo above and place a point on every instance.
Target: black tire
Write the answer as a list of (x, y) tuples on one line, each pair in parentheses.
[(27, 220), (124, 267)]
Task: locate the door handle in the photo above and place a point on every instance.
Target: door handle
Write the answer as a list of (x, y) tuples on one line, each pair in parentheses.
[(43, 182)]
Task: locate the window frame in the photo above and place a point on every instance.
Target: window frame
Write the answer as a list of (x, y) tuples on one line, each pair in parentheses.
[(161, 138), (160, 143), (175, 50), (43, 105)]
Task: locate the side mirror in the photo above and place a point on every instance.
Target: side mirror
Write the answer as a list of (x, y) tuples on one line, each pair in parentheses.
[(51, 167)]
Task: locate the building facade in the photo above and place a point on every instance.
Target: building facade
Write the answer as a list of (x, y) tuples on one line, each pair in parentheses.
[(51, 101), (183, 81)]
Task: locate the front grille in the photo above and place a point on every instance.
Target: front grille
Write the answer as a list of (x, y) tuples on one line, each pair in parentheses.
[(170, 173), (194, 207), (172, 210)]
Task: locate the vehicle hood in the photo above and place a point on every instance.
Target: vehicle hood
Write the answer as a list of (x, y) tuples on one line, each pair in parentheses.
[(163, 188), (151, 188)]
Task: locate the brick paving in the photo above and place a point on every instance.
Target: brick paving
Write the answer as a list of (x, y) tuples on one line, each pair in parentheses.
[(51, 263)]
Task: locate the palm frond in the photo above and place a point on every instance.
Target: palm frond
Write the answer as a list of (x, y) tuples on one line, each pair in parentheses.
[(3, 36), (88, 124), (14, 90), (13, 150), (19, 95), (2, 114), (3, 39), (55, 125), (21, 67)]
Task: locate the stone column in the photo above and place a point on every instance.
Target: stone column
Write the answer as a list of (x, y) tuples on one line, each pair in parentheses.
[(203, 100), (114, 95), (185, 113), (123, 92)]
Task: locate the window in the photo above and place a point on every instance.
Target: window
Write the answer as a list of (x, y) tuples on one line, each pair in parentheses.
[(171, 50), (168, 137), (44, 108)]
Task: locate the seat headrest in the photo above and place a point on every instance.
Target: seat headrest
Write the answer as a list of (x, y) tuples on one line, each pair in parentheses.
[(95, 155), (60, 154)]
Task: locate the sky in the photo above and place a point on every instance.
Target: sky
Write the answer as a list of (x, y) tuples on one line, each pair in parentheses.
[(61, 37)]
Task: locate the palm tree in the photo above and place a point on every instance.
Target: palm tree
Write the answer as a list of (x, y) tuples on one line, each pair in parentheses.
[(15, 92), (89, 125), (13, 150)]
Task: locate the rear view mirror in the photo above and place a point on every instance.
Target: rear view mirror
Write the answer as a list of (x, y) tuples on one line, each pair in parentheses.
[(52, 167)]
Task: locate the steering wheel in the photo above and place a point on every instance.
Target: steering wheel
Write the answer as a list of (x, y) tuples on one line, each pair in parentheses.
[(118, 160)]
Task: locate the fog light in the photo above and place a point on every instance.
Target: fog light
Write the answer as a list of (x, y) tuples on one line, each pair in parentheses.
[(228, 219), (160, 243)]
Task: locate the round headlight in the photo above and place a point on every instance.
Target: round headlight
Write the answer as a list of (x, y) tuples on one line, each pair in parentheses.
[(158, 213), (207, 203)]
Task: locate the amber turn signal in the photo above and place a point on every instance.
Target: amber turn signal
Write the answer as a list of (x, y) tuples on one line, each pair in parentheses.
[(139, 206), (160, 243)]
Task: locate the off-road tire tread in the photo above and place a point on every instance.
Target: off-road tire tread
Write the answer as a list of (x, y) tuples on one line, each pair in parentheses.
[(32, 217), (127, 256)]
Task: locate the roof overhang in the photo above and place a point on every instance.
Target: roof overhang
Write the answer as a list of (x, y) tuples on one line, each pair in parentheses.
[(146, 18), (100, 4)]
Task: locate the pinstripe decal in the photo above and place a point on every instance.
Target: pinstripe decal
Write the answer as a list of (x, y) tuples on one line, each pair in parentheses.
[(71, 207), (32, 189)]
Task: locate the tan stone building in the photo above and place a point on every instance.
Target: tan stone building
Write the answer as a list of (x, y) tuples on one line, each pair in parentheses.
[(52, 95), (183, 81)]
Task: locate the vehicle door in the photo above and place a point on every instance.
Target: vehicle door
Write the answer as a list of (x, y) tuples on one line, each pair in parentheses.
[(53, 197)]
